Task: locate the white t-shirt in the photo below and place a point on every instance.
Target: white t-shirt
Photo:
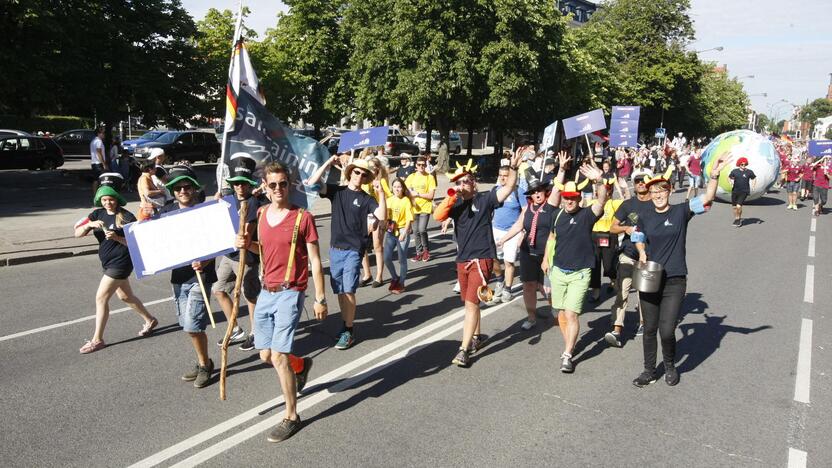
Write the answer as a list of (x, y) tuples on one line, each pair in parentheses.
[(96, 145)]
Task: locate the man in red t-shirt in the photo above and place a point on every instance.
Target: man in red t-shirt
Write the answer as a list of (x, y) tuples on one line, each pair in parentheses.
[(808, 179), (791, 172), (822, 172), (285, 276)]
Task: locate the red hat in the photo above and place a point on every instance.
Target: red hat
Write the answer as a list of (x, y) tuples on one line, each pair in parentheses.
[(742, 160)]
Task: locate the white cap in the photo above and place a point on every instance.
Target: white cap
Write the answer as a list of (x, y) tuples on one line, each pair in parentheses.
[(155, 153)]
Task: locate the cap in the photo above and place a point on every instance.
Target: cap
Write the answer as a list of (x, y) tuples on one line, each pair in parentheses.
[(241, 169), (179, 173)]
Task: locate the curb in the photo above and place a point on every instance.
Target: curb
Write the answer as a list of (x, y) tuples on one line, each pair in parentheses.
[(7, 262)]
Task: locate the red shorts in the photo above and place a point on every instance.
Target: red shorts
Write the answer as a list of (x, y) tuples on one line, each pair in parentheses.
[(470, 280)]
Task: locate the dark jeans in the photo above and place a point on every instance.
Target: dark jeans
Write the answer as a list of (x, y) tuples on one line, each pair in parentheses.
[(660, 311), (420, 232), (606, 257)]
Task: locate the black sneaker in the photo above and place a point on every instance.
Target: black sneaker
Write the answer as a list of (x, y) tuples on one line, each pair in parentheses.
[(300, 378), (566, 365), (671, 375), (287, 428), (203, 377), (462, 358), (613, 338), (477, 342), (190, 376), (248, 344), (644, 379), (238, 335)]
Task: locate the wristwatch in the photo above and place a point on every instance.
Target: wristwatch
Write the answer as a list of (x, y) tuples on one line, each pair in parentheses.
[(321, 302)]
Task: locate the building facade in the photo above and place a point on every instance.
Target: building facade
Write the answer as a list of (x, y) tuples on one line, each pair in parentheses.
[(581, 10)]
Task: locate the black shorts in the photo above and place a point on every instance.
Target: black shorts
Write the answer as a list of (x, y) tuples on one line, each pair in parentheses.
[(530, 267), (738, 198), (118, 273), (97, 170), (819, 195)]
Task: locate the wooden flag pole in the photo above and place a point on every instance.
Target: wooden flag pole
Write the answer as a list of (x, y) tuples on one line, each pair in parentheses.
[(235, 308)]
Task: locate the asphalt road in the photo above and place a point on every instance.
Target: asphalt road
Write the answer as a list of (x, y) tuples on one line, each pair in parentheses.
[(395, 400)]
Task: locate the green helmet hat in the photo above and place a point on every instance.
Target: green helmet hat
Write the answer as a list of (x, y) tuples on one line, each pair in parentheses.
[(241, 169), (179, 173)]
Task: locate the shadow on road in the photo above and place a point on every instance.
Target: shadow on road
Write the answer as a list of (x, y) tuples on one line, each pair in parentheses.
[(701, 340)]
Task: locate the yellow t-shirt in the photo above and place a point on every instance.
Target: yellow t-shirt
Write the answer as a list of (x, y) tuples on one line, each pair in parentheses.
[(604, 223), (418, 183), (384, 186), (399, 211)]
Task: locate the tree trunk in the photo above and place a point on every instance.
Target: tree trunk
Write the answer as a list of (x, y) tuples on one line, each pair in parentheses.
[(428, 131), (443, 160), (470, 141)]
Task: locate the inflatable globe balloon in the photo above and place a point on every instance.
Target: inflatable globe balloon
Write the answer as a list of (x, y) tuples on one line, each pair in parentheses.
[(761, 155)]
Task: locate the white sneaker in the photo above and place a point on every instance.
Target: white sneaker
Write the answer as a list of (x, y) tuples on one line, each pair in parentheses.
[(506, 295), (528, 324), (456, 287)]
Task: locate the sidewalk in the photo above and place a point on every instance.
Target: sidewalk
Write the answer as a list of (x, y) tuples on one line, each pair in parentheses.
[(38, 210)]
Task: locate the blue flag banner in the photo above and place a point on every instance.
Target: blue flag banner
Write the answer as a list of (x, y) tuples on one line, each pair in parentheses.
[(549, 136), (373, 136), (626, 112), (582, 124), (263, 137), (623, 140), (623, 126), (820, 148), (661, 133)]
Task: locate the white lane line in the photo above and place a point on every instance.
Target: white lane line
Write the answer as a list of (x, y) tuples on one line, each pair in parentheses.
[(73, 322), (212, 432), (811, 246), (797, 458), (306, 403), (802, 381), (112, 312), (809, 289), (814, 225)]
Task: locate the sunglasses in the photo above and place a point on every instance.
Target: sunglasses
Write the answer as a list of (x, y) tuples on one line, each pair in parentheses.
[(361, 173), (179, 188), (421, 164), (282, 184), (639, 181)]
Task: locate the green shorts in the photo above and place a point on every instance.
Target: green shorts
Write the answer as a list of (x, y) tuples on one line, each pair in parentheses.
[(569, 289)]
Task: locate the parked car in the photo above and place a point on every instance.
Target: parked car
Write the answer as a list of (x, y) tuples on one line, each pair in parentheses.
[(454, 142), (398, 144), (29, 152), (75, 142), (5, 131), (186, 145), (131, 145)]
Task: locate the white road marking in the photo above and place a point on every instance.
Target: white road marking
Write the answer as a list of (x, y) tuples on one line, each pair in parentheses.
[(811, 246), (797, 458), (802, 381), (809, 289), (246, 434), (335, 374), (73, 322), (814, 225), (112, 312)]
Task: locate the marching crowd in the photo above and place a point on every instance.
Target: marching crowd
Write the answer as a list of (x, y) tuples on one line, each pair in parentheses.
[(562, 220)]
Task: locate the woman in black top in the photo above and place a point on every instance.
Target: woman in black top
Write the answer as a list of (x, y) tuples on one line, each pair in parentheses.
[(107, 223), (665, 228)]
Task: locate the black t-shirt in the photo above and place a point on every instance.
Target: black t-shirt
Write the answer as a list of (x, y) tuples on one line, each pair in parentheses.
[(573, 248), (160, 172), (545, 218), (666, 237), (404, 171), (472, 225), (185, 274), (111, 253), (742, 180), (251, 217), (350, 209), (627, 214)]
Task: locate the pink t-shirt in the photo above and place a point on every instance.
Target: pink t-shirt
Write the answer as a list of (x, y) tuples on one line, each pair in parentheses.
[(821, 179), (694, 165)]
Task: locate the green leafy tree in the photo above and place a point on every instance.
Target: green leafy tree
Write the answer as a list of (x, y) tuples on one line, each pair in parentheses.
[(303, 58), (816, 110), (721, 104), (828, 134)]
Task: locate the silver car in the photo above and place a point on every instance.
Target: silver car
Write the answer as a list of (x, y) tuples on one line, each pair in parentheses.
[(454, 142)]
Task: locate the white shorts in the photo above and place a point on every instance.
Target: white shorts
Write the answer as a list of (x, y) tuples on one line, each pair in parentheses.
[(508, 252)]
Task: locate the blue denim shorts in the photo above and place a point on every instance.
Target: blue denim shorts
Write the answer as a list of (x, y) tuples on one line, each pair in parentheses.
[(693, 180), (344, 270), (276, 317), (190, 307)]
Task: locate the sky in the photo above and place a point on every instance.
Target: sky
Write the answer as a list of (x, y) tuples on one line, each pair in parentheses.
[(781, 42)]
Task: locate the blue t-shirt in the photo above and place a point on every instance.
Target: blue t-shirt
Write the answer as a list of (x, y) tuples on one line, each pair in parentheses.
[(506, 215)]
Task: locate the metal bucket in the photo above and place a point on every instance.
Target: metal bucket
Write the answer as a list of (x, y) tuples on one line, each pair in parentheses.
[(647, 277)]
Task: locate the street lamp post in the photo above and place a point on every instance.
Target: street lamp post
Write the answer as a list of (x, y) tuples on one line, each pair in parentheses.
[(718, 49)]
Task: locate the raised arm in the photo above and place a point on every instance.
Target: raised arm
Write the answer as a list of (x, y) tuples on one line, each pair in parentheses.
[(504, 191), (713, 183), (554, 197), (317, 175), (594, 174)]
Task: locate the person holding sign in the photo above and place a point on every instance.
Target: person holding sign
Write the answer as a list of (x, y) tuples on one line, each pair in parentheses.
[(288, 246), (661, 236), (107, 224), (241, 179), (191, 310), (350, 208), (472, 213)]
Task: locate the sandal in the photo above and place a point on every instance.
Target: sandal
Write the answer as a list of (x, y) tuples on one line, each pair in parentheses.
[(92, 346), (148, 327)]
